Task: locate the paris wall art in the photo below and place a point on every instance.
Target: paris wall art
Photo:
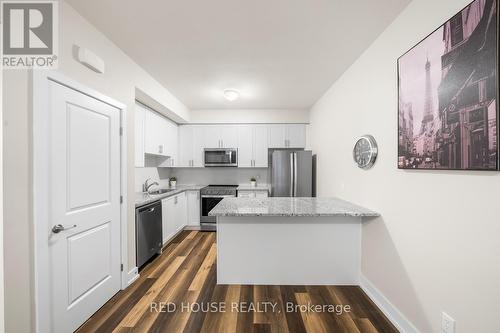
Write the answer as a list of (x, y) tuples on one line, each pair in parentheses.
[(448, 94)]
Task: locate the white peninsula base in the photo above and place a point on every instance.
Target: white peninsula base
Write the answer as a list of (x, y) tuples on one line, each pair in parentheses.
[(291, 250)]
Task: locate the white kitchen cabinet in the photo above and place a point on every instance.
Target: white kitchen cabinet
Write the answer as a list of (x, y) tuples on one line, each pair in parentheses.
[(174, 215), (172, 133), (139, 135), (191, 145), (260, 146), (252, 146), (198, 146), (160, 136), (277, 136), (221, 136), (186, 146), (252, 194), (180, 202), (245, 146), (229, 136), (154, 134), (287, 136), (296, 135), (212, 135), (193, 208), (168, 218)]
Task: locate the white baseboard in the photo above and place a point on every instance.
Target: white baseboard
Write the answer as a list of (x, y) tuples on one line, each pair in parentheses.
[(132, 275), (391, 312)]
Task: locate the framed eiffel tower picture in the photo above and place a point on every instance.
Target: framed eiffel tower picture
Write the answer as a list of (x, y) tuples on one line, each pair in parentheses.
[(448, 112)]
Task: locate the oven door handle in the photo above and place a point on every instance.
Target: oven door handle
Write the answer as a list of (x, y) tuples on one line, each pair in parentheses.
[(218, 196)]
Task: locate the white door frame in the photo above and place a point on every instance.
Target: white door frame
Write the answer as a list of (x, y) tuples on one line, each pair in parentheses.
[(40, 171)]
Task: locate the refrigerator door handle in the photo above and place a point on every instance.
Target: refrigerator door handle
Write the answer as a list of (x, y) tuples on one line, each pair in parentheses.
[(295, 174), (291, 174)]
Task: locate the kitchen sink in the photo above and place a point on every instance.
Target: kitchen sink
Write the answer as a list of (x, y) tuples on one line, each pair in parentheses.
[(158, 192)]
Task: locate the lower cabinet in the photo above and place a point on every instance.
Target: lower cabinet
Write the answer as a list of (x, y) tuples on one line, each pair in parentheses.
[(174, 215), (252, 194), (193, 208), (179, 211)]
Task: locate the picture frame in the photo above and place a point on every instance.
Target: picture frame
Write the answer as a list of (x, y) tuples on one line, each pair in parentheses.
[(448, 94)]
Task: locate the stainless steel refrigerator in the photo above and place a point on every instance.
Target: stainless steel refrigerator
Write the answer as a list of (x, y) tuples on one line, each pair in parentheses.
[(291, 173)]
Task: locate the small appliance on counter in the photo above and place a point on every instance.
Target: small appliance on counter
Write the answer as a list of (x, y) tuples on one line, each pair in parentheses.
[(211, 195), (148, 232)]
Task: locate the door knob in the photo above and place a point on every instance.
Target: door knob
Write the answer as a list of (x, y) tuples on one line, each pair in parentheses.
[(59, 227)]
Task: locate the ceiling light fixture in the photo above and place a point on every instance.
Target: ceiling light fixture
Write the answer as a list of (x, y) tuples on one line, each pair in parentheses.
[(231, 94)]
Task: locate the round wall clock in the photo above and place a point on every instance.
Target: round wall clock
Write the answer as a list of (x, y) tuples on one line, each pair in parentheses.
[(365, 151)]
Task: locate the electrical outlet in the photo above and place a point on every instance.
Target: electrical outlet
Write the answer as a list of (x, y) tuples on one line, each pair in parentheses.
[(447, 323)]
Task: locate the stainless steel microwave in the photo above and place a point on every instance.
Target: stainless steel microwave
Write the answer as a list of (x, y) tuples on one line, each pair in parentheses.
[(221, 157)]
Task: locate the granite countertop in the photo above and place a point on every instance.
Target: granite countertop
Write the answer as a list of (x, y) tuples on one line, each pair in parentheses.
[(249, 187), (274, 206), (142, 199)]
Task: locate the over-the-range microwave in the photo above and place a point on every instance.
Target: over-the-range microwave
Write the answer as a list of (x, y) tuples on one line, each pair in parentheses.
[(221, 157)]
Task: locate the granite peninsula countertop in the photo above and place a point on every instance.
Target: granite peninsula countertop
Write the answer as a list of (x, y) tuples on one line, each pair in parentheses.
[(142, 199), (274, 206)]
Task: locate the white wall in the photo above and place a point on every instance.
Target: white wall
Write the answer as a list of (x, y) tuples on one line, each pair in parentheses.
[(122, 80), (250, 116), (436, 246), (2, 307)]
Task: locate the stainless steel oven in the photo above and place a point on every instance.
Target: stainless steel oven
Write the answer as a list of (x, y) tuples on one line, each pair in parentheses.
[(210, 197), (221, 157)]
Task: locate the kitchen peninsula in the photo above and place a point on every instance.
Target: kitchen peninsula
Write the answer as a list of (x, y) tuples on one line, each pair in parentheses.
[(289, 241)]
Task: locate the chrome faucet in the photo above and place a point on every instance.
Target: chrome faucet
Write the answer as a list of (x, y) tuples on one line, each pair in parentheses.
[(145, 186)]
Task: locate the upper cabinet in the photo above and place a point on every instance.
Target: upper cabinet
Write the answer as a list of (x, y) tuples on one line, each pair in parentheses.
[(221, 136), (155, 135), (260, 146), (191, 145), (287, 136), (182, 146), (253, 143)]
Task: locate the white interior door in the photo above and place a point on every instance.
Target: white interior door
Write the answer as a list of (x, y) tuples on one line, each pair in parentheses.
[(84, 151)]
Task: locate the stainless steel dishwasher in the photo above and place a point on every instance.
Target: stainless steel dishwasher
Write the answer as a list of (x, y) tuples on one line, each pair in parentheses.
[(148, 231)]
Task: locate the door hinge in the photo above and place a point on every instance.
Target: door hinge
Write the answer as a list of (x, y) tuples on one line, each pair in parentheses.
[(121, 267), (121, 131), (121, 199)]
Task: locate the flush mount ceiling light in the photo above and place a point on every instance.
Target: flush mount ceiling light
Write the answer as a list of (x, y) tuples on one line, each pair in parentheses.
[(231, 94)]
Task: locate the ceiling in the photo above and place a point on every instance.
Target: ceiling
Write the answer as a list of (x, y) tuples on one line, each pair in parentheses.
[(280, 54)]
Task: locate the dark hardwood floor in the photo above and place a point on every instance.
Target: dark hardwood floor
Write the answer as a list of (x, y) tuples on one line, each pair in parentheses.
[(185, 275)]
